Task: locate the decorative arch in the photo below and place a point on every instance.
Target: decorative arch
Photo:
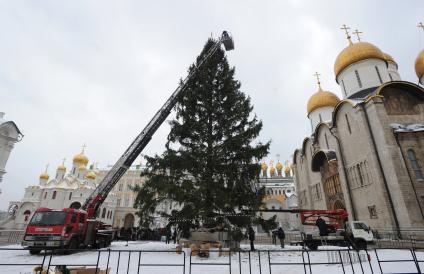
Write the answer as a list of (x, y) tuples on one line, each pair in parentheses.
[(320, 157), (318, 128), (339, 106), (75, 205), (305, 141)]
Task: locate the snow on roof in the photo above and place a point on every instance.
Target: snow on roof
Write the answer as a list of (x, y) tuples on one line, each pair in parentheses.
[(407, 128)]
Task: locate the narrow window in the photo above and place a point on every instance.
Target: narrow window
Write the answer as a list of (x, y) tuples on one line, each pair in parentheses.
[(320, 118), (344, 88), (312, 126), (70, 195), (391, 78), (326, 140), (45, 195), (348, 125), (358, 79), (414, 163), (379, 75), (361, 180), (54, 195), (104, 212)]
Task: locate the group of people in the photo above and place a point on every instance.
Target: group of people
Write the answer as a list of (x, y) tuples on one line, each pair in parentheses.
[(279, 233)]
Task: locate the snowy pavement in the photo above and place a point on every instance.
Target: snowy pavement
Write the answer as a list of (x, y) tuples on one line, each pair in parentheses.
[(145, 254)]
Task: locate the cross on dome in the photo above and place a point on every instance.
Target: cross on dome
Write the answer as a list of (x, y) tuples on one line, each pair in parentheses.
[(357, 34), (83, 148), (47, 167), (346, 29), (421, 25), (317, 75)]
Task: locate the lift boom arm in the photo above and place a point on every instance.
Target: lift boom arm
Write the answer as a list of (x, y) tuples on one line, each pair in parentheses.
[(98, 196)]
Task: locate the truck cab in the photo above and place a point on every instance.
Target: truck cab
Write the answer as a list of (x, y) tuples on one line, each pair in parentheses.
[(360, 233), (50, 229)]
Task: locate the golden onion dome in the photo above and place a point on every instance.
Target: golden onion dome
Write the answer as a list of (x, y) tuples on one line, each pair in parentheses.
[(44, 176), (272, 169), (80, 159), (356, 52), (90, 175), (264, 166), (82, 167), (287, 169), (419, 64), (279, 166), (61, 168), (322, 99)]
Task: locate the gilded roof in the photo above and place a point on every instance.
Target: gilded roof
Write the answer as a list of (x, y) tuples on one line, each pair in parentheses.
[(356, 52), (419, 64), (322, 99)]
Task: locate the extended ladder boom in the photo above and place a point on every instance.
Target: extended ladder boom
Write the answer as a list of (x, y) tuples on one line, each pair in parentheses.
[(96, 198)]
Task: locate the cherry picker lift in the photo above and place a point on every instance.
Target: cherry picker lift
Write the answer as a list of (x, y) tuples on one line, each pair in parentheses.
[(74, 228)]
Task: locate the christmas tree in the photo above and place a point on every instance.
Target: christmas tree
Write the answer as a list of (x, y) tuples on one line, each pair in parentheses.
[(210, 168)]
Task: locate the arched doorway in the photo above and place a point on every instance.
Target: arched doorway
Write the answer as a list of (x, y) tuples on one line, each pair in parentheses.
[(129, 221), (339, 205), (75, 205)]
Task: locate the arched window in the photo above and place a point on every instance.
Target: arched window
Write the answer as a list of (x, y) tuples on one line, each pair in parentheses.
[(54, 195), (415, 166), (104, 212)]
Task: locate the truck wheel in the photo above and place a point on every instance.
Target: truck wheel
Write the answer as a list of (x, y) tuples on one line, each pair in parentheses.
[(34, 251), (361, 244)]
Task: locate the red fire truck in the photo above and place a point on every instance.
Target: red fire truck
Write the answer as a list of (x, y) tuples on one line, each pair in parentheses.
[(74, 228)]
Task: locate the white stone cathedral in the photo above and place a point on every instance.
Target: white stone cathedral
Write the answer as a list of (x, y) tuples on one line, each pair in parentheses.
[(365, 153), (66, 189)]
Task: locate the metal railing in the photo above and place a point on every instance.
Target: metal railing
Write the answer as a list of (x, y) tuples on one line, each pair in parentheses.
[(379, 260)]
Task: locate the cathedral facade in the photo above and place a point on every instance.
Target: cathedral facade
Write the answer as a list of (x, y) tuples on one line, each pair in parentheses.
[(71, 189), (366, 151)]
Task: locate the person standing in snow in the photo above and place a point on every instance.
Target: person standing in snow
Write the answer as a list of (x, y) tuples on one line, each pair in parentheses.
[(281, 236), (251, 238)]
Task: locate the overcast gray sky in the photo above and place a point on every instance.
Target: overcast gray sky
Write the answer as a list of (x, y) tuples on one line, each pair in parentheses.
[(95, 72)]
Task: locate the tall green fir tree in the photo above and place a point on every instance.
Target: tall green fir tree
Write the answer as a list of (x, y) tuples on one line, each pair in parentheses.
[(210, 168)]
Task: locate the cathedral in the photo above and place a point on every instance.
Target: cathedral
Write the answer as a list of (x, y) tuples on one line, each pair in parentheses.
[(366, 151), (280, 193), (71, 189)]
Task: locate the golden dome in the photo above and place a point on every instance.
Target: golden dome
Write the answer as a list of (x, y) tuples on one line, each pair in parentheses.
[(44, 176), (82, 167), (322, 99), (356, 52), (80, 159), (61, 168), (272, 169), (419, 64), (279, 166), (90, 175), (264, 166), (287, 169)]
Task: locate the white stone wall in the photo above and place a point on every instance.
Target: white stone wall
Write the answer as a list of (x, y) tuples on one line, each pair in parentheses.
[(366, 69), (323, 114)]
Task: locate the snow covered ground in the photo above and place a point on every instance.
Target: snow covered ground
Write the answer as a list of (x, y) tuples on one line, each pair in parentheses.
[(119, 262)]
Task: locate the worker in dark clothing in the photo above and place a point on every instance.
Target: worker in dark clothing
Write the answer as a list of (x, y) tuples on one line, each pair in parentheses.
[(251, 238), (322, 226), (274, 237), (281, 236)]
